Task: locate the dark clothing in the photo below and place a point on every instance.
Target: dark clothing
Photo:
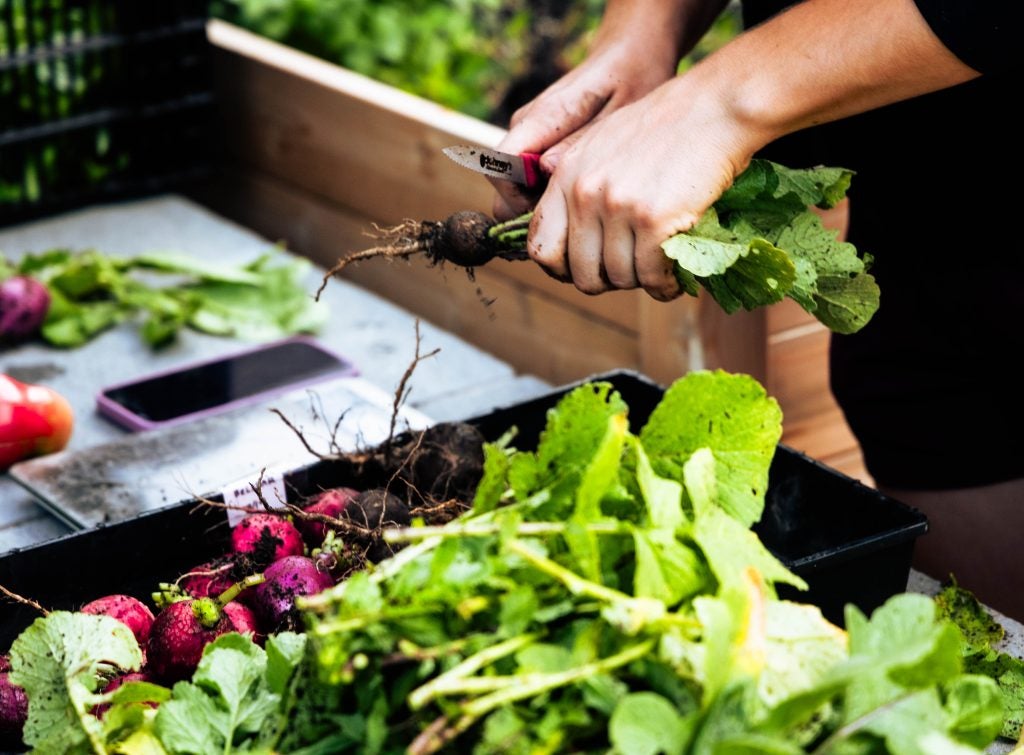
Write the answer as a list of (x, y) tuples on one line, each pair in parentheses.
[(930, 386)]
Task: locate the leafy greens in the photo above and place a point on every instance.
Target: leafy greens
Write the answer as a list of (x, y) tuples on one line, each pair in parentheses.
[(604, 594), (91, 292), (759, 244)]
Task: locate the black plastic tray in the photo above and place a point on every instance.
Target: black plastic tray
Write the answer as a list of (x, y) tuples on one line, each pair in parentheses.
[(850, 543)]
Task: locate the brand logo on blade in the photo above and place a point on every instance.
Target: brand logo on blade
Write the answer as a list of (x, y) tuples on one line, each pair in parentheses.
[(492, 163)]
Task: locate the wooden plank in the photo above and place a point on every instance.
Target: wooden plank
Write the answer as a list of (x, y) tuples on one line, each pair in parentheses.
[(343, 136), (786, 315), (798, 374)]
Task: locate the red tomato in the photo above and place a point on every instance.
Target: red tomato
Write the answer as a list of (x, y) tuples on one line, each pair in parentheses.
[(34, 420)]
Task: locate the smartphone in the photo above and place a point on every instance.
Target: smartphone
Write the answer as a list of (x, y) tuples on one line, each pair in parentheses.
[(216, 385)]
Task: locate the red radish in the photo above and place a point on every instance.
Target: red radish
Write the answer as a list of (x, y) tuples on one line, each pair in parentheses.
[(13, 709), (328, 503), (131, 612), (185, 627), (284, 581), (208, 580), (244, 621), (266, 538)]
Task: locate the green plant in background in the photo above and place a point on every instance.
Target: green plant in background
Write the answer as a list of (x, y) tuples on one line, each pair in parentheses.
[(481, 57)]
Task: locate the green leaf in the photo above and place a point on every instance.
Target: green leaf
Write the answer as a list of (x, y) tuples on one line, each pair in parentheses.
[(61, 661), (665, 570), (974, 705), (845, 305), (645, 723), (285, 651), (198, 267), (494, 481), (731, 415), (730, 549), (228, 699), (573, 434)]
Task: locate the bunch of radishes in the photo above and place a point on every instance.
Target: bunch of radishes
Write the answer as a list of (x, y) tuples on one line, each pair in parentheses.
[(252, 589)]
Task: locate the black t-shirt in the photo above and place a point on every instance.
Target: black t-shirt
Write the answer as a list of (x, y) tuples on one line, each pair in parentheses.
[(930, 386)]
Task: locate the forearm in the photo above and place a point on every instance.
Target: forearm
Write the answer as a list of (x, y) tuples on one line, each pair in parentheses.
[(820, 61), (650, 23)]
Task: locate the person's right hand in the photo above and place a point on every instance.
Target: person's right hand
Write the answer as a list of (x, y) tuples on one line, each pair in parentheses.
[(633, 52)]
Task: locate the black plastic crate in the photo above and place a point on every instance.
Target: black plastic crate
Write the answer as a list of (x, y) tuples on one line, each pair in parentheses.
[(101, 100), (849, 542)]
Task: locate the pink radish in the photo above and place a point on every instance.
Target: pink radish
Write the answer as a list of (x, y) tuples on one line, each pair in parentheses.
[(266, 538), (329, 503), (130, 611)]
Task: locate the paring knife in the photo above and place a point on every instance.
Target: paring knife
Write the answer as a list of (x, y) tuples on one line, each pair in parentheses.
[(523, 169)]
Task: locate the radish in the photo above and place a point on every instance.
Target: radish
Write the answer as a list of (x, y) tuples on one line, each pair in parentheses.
[(334, 557), (376, 508), (266, 538), (209, 579), (13, 709), (466, 238), (244, 620), (130, 611), (24, 302), (117, 681), (329, 503), (183, 629), (284, 581)]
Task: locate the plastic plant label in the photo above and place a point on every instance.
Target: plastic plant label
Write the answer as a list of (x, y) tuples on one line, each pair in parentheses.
[(241, 499)]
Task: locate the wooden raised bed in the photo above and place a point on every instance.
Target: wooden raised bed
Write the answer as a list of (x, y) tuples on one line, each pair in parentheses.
[(317, 154)]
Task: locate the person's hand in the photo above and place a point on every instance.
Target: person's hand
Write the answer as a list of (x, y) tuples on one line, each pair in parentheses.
[(632, 180), (632, 54)]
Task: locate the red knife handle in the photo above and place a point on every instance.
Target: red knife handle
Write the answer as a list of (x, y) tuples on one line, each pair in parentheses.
[(531, 169)]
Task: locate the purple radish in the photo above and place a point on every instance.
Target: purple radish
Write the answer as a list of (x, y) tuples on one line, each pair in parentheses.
[(284, 581), (266, 538), (13, 709), (24, 302), (131, 612), (328, 503)]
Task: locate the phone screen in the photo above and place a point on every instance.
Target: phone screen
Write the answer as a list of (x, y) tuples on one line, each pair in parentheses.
[(205, 386)]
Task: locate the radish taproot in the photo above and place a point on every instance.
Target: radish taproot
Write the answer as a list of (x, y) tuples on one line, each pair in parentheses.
[(284, 581), (131, 612), (467, 238), (330, 503), (266, 538), (13, 709)]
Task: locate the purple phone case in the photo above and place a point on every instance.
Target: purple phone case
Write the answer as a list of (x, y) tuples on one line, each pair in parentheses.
[(132, 421)]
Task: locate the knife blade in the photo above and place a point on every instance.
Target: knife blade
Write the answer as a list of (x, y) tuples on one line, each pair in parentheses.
[(523, 169)]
